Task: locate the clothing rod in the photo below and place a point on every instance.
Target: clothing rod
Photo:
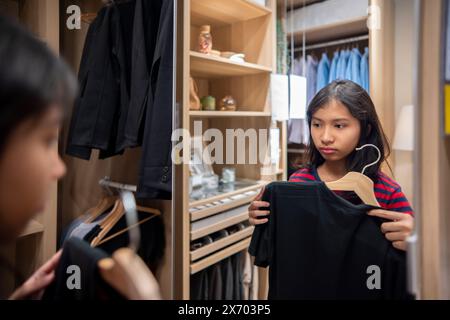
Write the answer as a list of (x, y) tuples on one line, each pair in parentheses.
[(105, 182), (333, 43)]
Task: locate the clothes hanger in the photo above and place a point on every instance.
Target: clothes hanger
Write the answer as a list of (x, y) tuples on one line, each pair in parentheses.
[(104, 204), (116, 214), (357, 182), (124, 270)]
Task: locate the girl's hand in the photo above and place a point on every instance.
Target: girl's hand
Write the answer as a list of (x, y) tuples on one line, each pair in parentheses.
[(34, 287), (254, 210), (398, 230)]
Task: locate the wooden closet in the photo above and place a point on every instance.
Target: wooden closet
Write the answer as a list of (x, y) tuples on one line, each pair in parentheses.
[(240, 26)]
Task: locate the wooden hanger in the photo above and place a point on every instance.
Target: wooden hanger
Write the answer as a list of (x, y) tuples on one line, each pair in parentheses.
[(104, 204), (116, 214), (125, 271), (357, 182)]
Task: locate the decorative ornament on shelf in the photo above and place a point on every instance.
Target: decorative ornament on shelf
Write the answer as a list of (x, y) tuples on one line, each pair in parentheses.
[(228, 104), (193, 95), (205, 40), (208, 103)]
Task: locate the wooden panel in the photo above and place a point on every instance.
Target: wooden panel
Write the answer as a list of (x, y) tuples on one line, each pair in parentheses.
[(434, 160), (219, 12), (222, 243), (382, 71), (208, 66), (219, 256)]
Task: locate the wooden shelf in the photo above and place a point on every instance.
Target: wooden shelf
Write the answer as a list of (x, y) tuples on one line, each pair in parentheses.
[(219, 12), (299, 151), (200, 214), (219, 256), (222, 243), (219, 197), (224, 114), (32, 228), (218, 222), (210, 67), (332, 31)]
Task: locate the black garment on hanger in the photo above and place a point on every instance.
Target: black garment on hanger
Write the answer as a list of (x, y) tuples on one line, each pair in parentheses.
[(319, 246), (152, 245), (78, 253), (126, 96), (155, 178)]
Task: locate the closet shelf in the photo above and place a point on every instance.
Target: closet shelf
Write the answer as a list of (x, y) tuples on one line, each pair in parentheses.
[(219, 256), (299, 151), (219, 13), (33, 227), (218, 206), (224, 114), (210, 67), (332, 31), (222, 243), (253, 185), (218, 222)]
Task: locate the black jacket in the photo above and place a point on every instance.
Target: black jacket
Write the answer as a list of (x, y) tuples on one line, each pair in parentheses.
[(320, 246), (155, 179), (126, 97)]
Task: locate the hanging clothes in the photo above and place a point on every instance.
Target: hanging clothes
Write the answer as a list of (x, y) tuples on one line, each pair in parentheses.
[(323, 72), (364, 69), (77, 252), (342, 64), (324, 246), (155, 177), (298, 130), (126, 95), (333, 67), (353, 66)]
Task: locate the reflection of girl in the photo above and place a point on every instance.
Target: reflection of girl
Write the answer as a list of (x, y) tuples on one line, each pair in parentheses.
[(342, 117), (34, 86)]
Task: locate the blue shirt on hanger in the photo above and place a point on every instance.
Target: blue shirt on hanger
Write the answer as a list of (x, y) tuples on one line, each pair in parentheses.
[(333, 67), (364, 69), (353, 67), (342, 64), (323, 72)]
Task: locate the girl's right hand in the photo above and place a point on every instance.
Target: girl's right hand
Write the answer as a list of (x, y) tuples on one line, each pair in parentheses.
[(254, 210)]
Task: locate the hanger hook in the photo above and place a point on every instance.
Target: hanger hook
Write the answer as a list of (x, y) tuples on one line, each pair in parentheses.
[(131, 216), (373, 163)]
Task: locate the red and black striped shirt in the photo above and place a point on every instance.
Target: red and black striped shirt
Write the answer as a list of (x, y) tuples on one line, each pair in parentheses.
[(388, 192)]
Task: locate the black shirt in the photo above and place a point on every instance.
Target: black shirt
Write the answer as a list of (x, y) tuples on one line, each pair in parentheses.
[(319, 246)]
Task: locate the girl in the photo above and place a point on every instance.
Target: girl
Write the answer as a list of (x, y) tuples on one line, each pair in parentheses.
[(34, 86), (342, 117)]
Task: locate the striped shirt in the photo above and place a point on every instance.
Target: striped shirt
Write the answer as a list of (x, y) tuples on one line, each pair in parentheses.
[(388, 192)]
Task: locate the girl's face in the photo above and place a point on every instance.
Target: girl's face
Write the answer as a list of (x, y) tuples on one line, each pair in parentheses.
[(335, 132), (29, 165)]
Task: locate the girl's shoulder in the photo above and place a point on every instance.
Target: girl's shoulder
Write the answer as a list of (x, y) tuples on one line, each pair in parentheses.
[(385, 182), (304, 174)]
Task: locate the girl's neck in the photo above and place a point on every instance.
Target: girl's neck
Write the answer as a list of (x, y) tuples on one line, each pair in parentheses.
[(332, 170)]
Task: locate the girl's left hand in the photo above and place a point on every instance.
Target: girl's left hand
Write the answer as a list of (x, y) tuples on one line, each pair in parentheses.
[(398, 230)]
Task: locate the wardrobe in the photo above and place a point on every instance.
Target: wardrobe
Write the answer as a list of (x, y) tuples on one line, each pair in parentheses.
[(240, 26), (354, 24)]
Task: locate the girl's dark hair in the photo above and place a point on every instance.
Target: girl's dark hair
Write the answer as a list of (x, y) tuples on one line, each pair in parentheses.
[(360, 105), (32, 78)]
